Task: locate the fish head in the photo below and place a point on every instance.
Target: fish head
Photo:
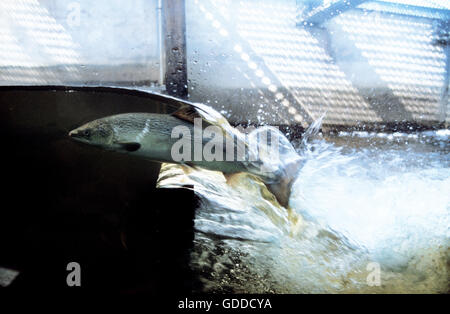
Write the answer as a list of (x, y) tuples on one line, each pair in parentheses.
[(110, 133), (97, 133)]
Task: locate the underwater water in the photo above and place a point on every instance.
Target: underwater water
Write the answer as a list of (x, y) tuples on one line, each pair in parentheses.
[(362, 202)]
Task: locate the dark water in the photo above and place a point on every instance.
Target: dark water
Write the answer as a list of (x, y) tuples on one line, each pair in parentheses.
[(64, 202)]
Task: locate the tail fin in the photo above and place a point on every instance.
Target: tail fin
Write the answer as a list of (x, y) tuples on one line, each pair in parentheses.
[(270, 155), (283, 187), (274, 160), (279, 163)]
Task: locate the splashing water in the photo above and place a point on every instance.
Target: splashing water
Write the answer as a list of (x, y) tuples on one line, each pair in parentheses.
[(360, 199)]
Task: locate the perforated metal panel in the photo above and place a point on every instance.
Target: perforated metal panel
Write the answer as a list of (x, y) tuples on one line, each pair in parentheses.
[(401, 52), (301, 64), (362, 61)]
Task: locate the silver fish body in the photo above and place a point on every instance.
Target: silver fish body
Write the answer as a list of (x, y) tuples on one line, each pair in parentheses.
[(152, 136), (149, 135)]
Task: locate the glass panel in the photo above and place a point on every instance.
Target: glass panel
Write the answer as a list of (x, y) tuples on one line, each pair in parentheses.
[(358, 61), (79, 42)]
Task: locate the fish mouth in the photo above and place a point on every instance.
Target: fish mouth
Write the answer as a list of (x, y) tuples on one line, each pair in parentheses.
[(77, 135), (74, 134)]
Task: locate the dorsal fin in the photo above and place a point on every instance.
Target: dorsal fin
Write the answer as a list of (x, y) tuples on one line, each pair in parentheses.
[(209, 116), (187, 113)]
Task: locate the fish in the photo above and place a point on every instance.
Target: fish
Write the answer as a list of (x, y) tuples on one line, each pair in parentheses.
[(151, 136)]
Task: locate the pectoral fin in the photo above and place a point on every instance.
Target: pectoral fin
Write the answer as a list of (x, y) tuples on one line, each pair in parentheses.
[(129, 146)]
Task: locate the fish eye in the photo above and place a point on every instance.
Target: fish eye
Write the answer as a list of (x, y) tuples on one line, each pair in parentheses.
[(87, 133)]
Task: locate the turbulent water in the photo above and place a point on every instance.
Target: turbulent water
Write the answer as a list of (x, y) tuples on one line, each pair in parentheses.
[(361, 202)]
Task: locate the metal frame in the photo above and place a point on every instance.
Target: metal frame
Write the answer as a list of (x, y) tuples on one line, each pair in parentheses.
[(320, 14), (174, 32)]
